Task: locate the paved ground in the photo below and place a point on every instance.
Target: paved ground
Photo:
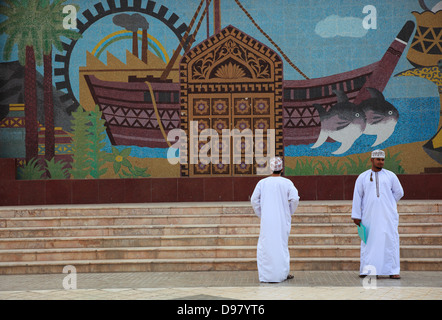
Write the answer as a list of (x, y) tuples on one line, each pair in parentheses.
[(241, 285)]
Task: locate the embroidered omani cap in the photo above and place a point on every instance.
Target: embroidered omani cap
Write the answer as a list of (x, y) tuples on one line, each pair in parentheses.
[(276, 164), (378, 154)]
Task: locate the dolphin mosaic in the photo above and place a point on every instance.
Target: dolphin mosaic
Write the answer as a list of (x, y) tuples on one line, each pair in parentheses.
[(381, 116), (344, 122)]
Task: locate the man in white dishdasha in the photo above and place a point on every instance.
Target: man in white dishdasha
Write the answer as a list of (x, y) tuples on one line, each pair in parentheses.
[(375, 198), (274, 200)]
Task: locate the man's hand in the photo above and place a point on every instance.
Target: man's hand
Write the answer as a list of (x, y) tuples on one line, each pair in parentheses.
[(357, 221)]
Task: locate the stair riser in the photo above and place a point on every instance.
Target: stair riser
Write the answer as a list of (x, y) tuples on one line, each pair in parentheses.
[(186, 220), (204, 210), (207, 266), (117, 221), (119, 211), (195, 230), (249, 240), (421, 253), (420, 218), (168, 254), (132, 267), (127, 231), (199, 253)]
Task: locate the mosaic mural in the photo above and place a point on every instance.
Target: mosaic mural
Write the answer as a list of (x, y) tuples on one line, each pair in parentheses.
[(141, 88)]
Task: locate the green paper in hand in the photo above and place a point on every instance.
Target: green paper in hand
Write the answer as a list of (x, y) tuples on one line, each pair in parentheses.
[(362, 232)]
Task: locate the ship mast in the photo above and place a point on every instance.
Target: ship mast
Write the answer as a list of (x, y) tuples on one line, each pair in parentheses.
[(186, 41), (217, 15)]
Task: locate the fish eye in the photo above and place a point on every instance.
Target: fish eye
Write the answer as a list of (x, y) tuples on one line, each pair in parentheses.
[(390, 112), (357, 115)]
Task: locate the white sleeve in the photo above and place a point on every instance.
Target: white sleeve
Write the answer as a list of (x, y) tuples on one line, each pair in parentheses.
[(293, 199), (358, 194), (397, 190), (256, 200)]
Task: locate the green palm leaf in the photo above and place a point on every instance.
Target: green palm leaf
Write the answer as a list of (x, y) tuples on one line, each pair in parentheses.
[(34, 23)]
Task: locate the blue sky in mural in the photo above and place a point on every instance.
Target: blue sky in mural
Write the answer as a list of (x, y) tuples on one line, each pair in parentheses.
[(321, 37), (293, 25)]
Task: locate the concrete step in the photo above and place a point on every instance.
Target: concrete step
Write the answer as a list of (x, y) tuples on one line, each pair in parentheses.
[(202, 229), (204, 264), (190, 252), (199, 240), (129, 220), (435, 217), (127, 210), (198, 208), (315, 218), (160, 265)]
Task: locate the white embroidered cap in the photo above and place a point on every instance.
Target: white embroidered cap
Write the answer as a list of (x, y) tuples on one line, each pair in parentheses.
[(378, 154), (276, 164)]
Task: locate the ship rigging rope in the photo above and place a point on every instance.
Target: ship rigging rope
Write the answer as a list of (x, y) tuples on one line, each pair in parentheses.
[(157, 114), (271, 41), (184, 39), (192, 39)]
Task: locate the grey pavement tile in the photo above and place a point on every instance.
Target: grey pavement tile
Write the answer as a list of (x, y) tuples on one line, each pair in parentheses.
[(223, 285), (210, 279)]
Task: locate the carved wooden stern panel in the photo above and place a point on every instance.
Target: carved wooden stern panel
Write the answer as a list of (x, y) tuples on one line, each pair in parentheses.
[(230, 82)]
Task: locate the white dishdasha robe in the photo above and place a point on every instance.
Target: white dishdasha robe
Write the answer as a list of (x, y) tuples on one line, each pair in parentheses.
[(274, 200), (375, 203)]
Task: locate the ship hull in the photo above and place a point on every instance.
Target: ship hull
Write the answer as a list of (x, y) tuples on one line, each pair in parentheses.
[(129, 112)]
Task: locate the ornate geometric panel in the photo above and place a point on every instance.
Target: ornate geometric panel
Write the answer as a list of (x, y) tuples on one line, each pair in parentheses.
[(261, 123), (140, 118), (230, 60), (220, 124), (231, 81), (242, 107), (244, 168), (201, 168), (12, 123), (301, 117), (201, 107), (220, 169), (242, 123), (220, 107), (261, 106)]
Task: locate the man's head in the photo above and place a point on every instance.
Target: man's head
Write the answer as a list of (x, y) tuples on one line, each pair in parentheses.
[(276, 165), (377, 160)]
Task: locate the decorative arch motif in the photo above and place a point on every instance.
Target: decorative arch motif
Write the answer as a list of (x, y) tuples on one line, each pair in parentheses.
[(231, 60)]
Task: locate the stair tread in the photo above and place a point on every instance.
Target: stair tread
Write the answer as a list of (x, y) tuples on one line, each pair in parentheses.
[(172, 248), (130, 216), (190, 260), (202, 236), (207, 225), (213, 247), (193, 215)]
